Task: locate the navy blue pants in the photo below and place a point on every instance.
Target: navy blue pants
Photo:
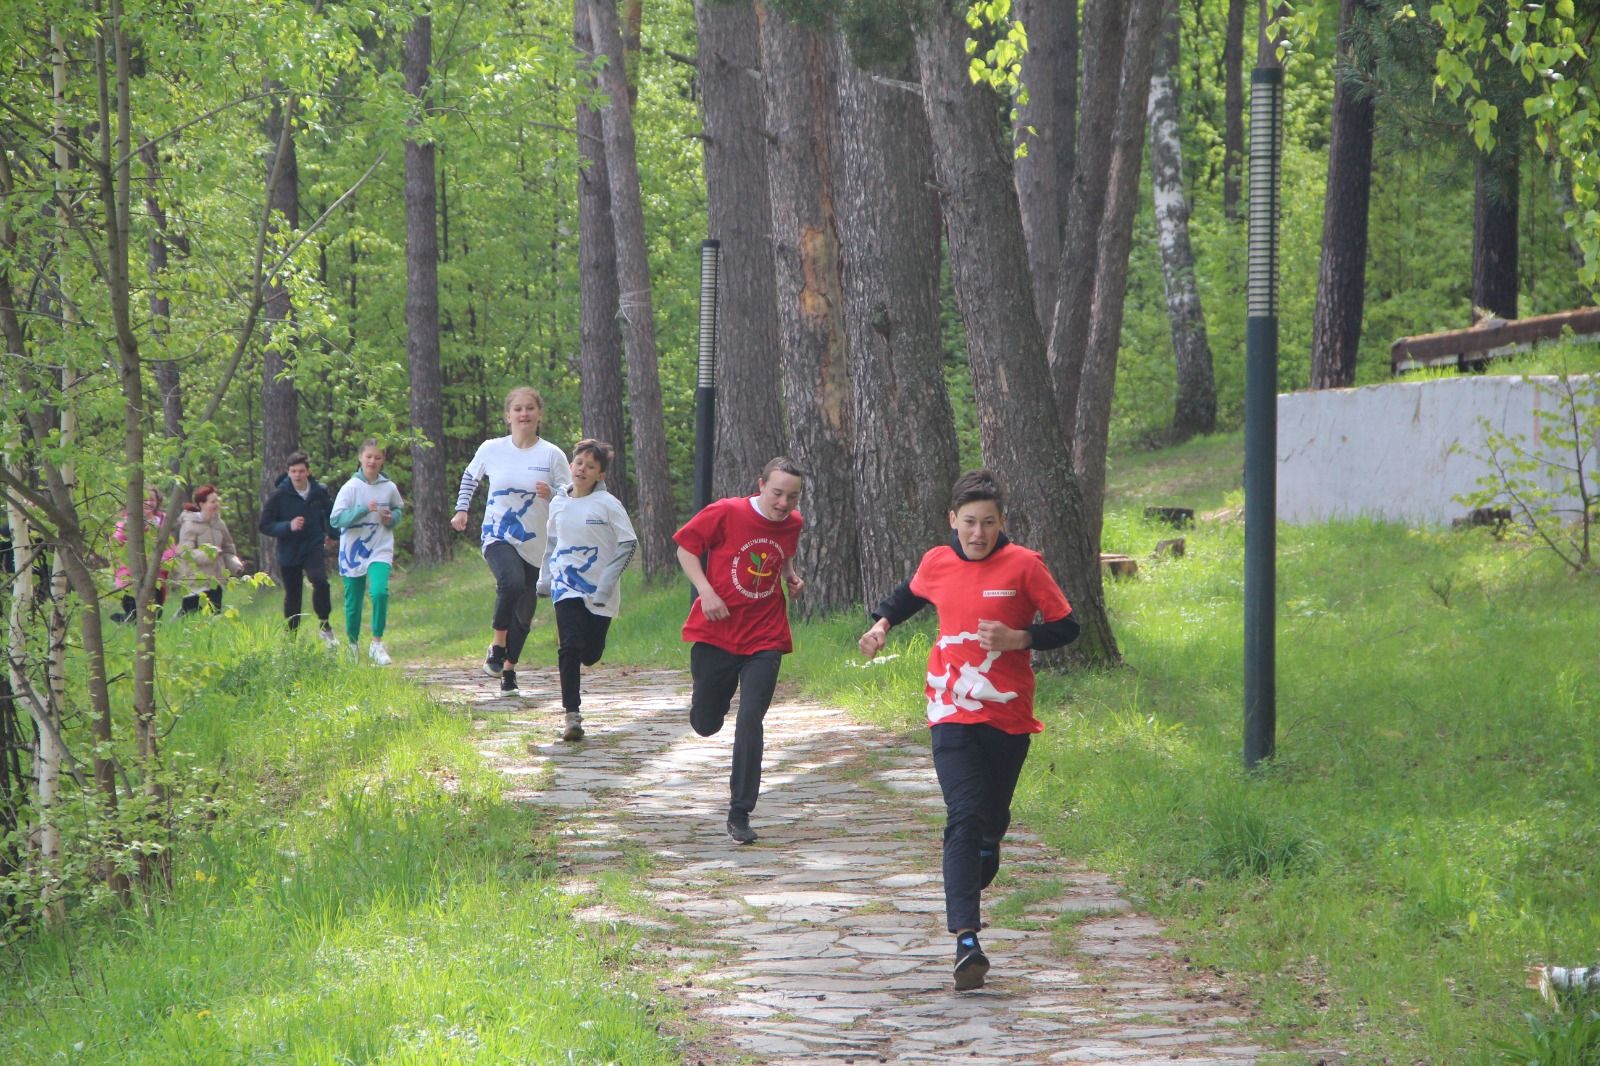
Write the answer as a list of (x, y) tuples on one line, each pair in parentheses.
[(717, 674), (978, 767)]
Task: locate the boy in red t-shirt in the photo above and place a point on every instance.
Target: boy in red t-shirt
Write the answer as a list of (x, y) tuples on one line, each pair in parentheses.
[(980, 687), (739, 625)]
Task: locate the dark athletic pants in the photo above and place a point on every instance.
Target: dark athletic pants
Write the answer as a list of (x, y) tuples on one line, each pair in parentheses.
[(583, 641), (516, 583), (315, 570), (978, 766), (191, 603), (717, 673)]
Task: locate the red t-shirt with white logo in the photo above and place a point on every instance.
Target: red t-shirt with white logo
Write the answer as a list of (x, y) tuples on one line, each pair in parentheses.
[(745, 555), (966, 684)]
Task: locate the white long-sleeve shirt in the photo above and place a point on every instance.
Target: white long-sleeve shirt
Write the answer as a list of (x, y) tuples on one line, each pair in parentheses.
[(515, 514), (588, 545)]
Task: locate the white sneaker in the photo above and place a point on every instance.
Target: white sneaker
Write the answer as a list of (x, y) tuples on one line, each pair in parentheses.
[(377, 653), (327, 637)]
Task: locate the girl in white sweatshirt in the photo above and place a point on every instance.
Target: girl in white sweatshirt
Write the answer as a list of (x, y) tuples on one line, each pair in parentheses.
[(365, 512)]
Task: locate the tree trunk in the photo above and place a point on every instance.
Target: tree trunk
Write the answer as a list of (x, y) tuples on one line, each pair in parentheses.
[(280, 402), (799, 94), (1106, 23), (1090, 435), (431, 539), (1018, 422), (655, 514), (168, 381), (1233, 108), (1196, 407), (1494, 221), (600, 336), (1038, 173), (739, 214), (1342, 278), (889, 231)]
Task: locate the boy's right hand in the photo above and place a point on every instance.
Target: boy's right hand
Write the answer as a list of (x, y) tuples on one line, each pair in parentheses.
[(297, 523), (458, 521), (712, 607)]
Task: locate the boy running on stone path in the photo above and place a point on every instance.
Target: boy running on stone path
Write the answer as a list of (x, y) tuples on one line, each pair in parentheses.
[(297, 515), (739, 625), (523, 470), (366, 511), (587, 547), (980, 687)]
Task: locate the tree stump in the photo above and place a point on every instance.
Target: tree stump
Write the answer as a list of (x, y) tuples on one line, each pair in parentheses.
[(1176, 517), (1169, 548), (1119, 565)]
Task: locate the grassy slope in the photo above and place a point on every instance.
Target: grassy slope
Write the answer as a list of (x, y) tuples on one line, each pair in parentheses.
[(1424, 833)]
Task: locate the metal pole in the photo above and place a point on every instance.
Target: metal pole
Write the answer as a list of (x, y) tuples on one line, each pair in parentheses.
[(705, 393), (1261, 413)]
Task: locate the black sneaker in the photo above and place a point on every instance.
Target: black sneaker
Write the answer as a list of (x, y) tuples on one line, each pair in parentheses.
[(989, 856), (739, 830), (495, 662), (508, 681), (972, 965)]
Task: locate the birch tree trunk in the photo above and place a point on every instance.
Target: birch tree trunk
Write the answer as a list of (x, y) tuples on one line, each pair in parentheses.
[(431, 506), (1019, 425), (1342, 275), (1196, 407), (739, 215), (600, 337), (167, 375), (905, 441), (655, 518), (799, 91)]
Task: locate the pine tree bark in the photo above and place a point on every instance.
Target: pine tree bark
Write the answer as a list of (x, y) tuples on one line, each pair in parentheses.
[(889, 231), (1196, 407), (739, 215), (1040, 125), (1019, 425), (1105, 22), (1233, 109), (1496, 191), (654, 514), (280, 401), (1342, 277), (600, 335), (799, 80), (431, 506), (1091, 433)]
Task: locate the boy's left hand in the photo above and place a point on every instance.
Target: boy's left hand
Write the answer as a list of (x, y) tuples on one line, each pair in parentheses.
[(795, 582)]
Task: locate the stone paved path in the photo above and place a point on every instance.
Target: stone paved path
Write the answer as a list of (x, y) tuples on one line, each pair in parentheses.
[(825, 940)]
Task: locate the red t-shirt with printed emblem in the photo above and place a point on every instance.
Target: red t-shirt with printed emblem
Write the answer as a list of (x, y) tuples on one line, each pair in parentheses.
[(745, 552), (966, 684)]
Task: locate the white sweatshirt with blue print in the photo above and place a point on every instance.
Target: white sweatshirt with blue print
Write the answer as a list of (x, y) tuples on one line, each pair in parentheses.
[(363, 538), (589, 544), (515, 514)]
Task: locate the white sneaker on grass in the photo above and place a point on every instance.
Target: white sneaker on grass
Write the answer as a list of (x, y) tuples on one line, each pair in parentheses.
[(325, 634), (378, 654)]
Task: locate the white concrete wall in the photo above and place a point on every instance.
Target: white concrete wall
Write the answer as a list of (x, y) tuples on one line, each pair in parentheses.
[(1389, 451)]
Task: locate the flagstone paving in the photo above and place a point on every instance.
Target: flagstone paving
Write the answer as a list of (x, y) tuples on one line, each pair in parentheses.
[(825, 940)]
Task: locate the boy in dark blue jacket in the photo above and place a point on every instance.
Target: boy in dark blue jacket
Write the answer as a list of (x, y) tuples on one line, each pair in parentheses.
[(297, 514)]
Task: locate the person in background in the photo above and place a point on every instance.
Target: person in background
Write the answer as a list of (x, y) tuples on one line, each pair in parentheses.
[(154, 517), (365, 512), (205, 550), (297, 515)]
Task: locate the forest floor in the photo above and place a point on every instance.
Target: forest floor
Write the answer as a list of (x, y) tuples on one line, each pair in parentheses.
[(824, 940)]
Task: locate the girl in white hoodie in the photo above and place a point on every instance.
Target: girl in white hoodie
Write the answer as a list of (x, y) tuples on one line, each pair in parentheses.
[(365, 512)]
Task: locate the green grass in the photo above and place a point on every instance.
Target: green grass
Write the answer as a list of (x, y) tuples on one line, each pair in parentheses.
[(1426, 830), (363, 895)]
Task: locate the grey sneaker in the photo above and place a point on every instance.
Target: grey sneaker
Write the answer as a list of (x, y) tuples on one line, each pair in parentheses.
[(574, 730), (739, 830)]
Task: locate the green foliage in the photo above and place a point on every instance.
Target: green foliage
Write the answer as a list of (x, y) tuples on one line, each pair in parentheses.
[(1554, 1041), (1549, 482)]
